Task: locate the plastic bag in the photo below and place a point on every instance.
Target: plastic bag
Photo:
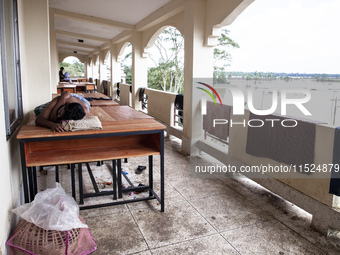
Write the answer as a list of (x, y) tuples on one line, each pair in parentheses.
[(52, 209)]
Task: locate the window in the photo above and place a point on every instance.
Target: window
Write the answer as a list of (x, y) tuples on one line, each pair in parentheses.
[(10, 65)]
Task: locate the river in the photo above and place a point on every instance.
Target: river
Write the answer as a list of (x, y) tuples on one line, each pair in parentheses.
[(324, 104)]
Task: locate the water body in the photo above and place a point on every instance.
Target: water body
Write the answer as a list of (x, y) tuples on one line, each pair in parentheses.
[(324, 104)]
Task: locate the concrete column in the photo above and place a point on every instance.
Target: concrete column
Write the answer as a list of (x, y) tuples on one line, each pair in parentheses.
[(54, 54), (139, 69), (102, 70), (85, 69), (36, 69), (95, 67), (115, 70), (198, 64), (89, 68)]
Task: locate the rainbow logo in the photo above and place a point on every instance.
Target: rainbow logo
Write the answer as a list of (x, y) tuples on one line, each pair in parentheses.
[(212, 89)]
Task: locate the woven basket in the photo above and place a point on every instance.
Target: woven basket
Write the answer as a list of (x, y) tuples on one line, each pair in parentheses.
[(31, 239)]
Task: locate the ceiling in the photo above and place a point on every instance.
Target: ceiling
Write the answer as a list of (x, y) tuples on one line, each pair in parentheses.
[(98, 22)]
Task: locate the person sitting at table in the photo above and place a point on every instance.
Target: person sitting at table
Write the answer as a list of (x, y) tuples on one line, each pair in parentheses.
[(61, 74), (67, 106)]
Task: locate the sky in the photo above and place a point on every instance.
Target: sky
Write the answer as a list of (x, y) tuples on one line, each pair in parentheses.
[(70, 59), (299, 36)]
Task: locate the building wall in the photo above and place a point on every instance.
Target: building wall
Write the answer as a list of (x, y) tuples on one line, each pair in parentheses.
[(37, 50), (35, 74), (5, 186), (54, 54)]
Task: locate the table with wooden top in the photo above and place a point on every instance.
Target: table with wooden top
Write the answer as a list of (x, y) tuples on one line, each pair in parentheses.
[(126, 133), (76, 87), (78, 79), (66, 87), (99, 99), (85, 87)]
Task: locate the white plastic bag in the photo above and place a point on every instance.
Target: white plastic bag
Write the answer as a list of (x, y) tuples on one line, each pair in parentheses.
[(52, 209)]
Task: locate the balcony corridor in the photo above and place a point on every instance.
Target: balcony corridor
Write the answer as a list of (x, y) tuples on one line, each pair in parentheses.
[(202, 216)]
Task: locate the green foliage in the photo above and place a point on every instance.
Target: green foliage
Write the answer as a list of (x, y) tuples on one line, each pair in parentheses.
[(168, 74), (222, 57), (76, 69), (126, 64), (219, 76), (286, 78), (128, 73), (155, 78)]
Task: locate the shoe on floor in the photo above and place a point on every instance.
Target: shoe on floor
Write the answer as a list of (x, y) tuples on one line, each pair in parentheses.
[(140, 169)]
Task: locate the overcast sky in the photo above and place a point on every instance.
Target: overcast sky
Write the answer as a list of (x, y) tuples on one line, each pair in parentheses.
[(287, 36)]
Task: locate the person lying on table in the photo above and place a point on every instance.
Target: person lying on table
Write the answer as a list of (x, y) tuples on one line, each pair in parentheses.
[(67, 106)]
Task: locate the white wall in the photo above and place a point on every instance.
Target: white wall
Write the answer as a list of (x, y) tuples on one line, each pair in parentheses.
[(125, 95), (161, 105), (36, 26), (54, 54), (5, 185), (35, 74)]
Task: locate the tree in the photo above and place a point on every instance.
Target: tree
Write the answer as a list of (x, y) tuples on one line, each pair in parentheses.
[(76, 69), (127, 64), (168, 75), (222, 57), (128, 73)]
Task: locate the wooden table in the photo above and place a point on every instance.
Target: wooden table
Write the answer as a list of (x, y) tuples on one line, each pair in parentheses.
[(76, 87), (66, 87), (126, 133), (99, 99), (85, 86), (78, 79)]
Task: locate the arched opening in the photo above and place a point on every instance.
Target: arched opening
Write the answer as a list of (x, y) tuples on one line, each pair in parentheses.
[(107, 64), (165, 52), (73, 67), (126, 63), (166, 61)]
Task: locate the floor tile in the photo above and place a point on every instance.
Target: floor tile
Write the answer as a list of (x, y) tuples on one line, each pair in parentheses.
[(229, 210), (110, 210), (116, 234), (214, 244), (193, 187), (170, 193), (178, 223), (270, 237), (202, 215), (282, 210)]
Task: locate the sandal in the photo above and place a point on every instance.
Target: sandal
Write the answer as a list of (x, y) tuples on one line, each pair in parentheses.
[(140, 169)]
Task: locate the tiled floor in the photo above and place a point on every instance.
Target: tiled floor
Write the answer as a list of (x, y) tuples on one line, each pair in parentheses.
[(202, 216)]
